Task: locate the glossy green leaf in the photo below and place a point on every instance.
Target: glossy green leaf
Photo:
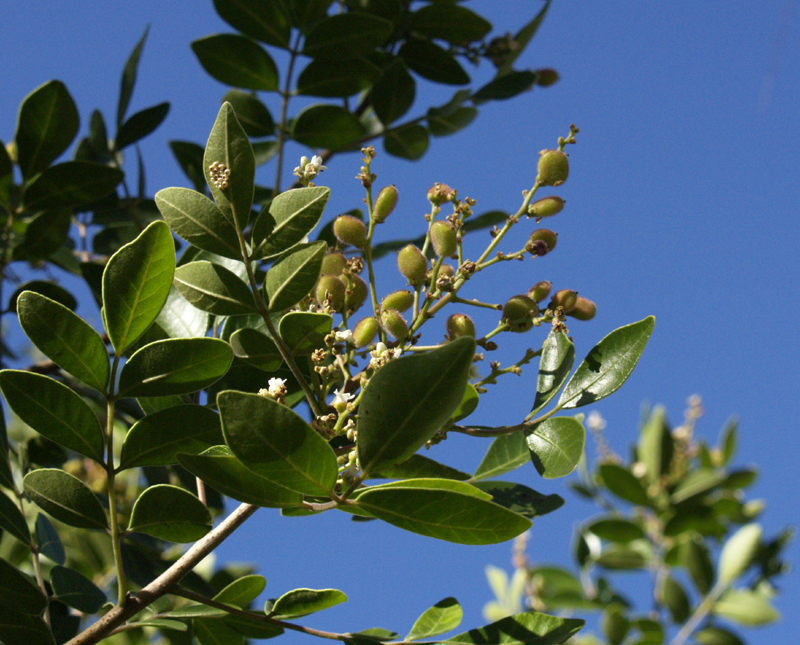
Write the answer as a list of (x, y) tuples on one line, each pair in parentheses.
[(23, 629), (170, 513), (213, 288), (558, 355), (69, 184), (175, 366), (48, 541), (431, 483), (65, 497), (520, 499), (331, 79), (676, 600), (47, 289), (54, 411), (48, 122), (407, 142), (556, 446), (443, 514), (180, 319), (12, 521), (276, 443), (221, 470), (450, 22), (20, 592), (264, 20), (64, 338), (442, 125), (45, 235), (292, 277), (140, 124), (291, 216), (327, 126), (155, 439), (506, 453), (346, 36), (521, 39), (442, 617), (420, 466), (237, 61), (229, 145), (74, 589), (655, 447), (393, 93), (608, 365), (243, 591), (302, 602), (432, 62), (129, 78), (304, 331), (408, 400), (505, 87), (252, 113), (190, 158), (717, 636), (745, 607), (136, 283), (256, 348), (621, 482)]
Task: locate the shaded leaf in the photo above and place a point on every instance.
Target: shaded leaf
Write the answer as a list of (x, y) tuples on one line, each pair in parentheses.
[(216, 632), (520, 499), (12, 521), (676, 600), (451, 22), (140, 124), (74, 589), (302, 602), (48, 541), (48, 289), (442, 617), (327, 126), (65, 497), (558, 355), (331, 79), (19, 591), (442, 125), (522, 38), (505, 87), (190, 158), (506, 453), (419, 466), (655, 447), (393, 93), (304, 331), (346, 36), (616, 530), (252, 113), (291, 216), (44, 236), (129, 78), (556, 446), (170, 513), (237, 61), (407, 142), (213, 288), (529, 628), (623, 483), (256, 348), (70, 184), (264, 20), (717, 636), (23, 629), (432, 62), (291, 278)]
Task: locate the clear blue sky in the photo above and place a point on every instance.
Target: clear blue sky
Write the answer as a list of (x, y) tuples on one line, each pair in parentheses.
[(683, 202)]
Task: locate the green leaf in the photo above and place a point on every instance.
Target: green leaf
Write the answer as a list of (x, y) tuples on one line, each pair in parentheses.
[(70, 184), (727, 441), (129, 78), (331, 79), (264, 20), (291, 278), (22, 629), (48, 289), (622, 482), (65, 338), (140, 124), (433, 63), (274, 442), (738, 552), (346, 36), (407, 142), (442, 514), (746, 607), (558, 355), (216, 632), (175, 366), (190, 158), (161, 623), (44, 236), (616, 530), (65, 497), (243, 591), (676, 600), (506, 453), (213, 288), (48, 541), (48, 122), (229, 145), (629, 557), (12, 521), (717, 636), (291, 217), (393, 93), (303, 331), (237, 61), (451, 22), (408, 400), (556, 446), (608, 365), (6, 176), (529, 628), (196, 611), (442, 125), (221, 470), (302, 602), (54, 411), (253, 628), (655, 448), (136, 283), (252, 113), (155, 439), (442, 617), (170, 513), (695, 557), (505, 87), (327, 126), (179, 319), (431, 483), (74, 589), (419, 466), (256, 348), (523, 37), (520, 499), (19, 592)]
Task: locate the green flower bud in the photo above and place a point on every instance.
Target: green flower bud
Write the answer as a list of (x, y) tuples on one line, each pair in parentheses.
[(331, 287), (399, 300), (412, 264), (350, 230), (540, 290), (546, 77), (394, 324), (364, 332), (459, 325), (356, 293), (438, 194), (384, 204), (553, 168), (565, 299), (443, 238), (518, 313), (546, 207), (541, 242), (583, 310), (333, 264)]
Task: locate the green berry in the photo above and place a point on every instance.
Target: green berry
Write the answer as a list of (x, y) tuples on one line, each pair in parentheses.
[(394, 324), (443, 238), (333, 264), (399, 300), (518, 313), (332, 288), (540, 290), (541, 242), (565, 299), (546, 207), (412, 264), (553, 168), (459, 325), (583, 310), (356, 293), (384, 204), (365, 331), (546, 77), (350, 230)]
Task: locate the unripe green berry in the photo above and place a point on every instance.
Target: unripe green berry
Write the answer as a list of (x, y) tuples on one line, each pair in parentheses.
[(540, 290), (443, 238), (553, 168), (546, 77), (356, 294), (399, 300), (412, 264), (565, 298), (384, 204), (333, 264), (350, 230), (394, 324), (546, 207), (438, 194), (518, 313), (364, 332), (332, 288), (541, 242), (583, 310), (459, 325)]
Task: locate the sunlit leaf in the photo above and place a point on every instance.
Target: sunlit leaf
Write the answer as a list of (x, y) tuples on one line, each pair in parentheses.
[(442, 617), (556, 446), (558, 355), (213, 288), (506, 453), (291, 278), (302, 602), (291, 216)]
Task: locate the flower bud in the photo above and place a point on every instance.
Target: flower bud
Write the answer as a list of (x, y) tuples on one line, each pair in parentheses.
[(364, 332), (394, 324), (350, 230), (553, 168), (546, 207), (565, 299), (518, 313), (384, 204), (332, 288), (541, 242), (459, 325), (356, 293), (443, 238), (546, 77), (438, 194), (399, 300), (333, 264), (540, 290), (412, 264), (445, 269), (583, 310)]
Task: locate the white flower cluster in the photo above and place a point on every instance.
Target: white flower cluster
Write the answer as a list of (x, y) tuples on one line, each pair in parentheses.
[(307, 170), (220, 175)]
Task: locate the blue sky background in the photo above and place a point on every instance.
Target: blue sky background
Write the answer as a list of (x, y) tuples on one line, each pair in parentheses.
[(683, 201)]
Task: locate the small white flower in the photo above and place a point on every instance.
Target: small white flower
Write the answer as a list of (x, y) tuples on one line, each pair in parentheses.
[(345, 336), (277, 386), (474, 374), (379, 350), (316, 163), (342, 398), (596, 422)]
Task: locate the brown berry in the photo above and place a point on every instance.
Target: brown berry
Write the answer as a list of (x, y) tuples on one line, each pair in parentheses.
[(565, 298), (541, 242), (546, 77), (584, 309), (438, 194)]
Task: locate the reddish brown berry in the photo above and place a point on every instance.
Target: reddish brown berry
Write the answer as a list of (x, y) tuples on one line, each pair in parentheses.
[(584, 309), (565, 299)]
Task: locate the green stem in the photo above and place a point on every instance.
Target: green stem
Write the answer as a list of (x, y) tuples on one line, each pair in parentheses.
[(37, 565), (122, 585), (699, 615)]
